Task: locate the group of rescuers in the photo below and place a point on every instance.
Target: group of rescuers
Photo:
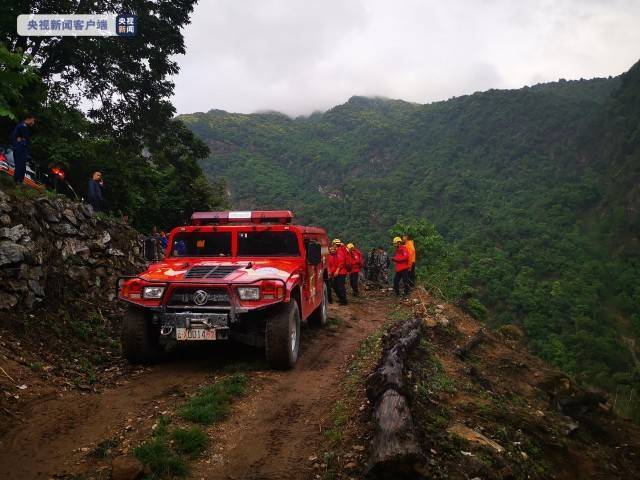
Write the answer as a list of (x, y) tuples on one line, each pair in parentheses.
[(347, 261)]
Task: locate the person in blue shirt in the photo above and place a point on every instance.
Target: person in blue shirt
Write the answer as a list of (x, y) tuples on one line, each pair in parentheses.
[(20, 146), (95, 192)]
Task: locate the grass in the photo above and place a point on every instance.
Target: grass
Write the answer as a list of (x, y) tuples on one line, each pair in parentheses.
[(334, 322), (21, 192), (432, 378), (168, 450), (167, 453), (211, 404), (339, 416), (189, 441), (161, 459)]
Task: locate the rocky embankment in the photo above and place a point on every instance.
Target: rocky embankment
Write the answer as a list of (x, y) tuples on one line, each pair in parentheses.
[(55, 253)]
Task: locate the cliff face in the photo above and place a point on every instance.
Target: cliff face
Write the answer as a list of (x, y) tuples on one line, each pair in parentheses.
[(56, 254)]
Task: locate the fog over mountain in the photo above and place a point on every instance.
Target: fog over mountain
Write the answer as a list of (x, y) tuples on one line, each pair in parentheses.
[(297, 57)]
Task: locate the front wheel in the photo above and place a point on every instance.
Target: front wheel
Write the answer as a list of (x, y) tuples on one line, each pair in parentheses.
[(282, 336), (320, 315), (140, 338)]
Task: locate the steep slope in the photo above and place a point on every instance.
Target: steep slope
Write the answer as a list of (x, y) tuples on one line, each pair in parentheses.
[(518, 180)]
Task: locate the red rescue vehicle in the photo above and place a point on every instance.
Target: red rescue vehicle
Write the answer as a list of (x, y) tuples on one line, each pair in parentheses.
[(247, 276)]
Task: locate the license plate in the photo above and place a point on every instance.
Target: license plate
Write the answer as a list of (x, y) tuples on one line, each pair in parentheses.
[(195, 334)]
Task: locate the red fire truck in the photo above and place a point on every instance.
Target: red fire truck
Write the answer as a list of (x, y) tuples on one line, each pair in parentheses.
[(246, 276)]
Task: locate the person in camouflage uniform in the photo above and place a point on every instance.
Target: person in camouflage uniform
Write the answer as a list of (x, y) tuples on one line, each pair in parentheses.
[(378, 267)]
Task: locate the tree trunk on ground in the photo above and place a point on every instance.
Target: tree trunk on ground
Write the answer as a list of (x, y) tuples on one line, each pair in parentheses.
[(395, 452)]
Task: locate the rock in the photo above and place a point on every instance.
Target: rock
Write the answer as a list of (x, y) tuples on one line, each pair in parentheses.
[(69, 215), (104, 238), (15, 234), (100, 243), (11, 252), (126, 467), (470, 435), (64, 229), (87, 210), (14, 286), (7, 301), (78, 273), (36, 288), (30, 300), (33, 257), (47, 210), (30, 273), (568, 426), (429, 321), (73, 246), (5, 219), (85, 230), (115, 252)]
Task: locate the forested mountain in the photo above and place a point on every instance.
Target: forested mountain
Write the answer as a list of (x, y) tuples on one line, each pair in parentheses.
[(535, 190)]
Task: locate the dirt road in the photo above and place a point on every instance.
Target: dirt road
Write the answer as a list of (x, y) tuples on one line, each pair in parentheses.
[(269, 435)]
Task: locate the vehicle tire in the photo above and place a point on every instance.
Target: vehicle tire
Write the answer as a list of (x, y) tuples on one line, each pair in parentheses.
[(140, 338), (320, 315), (282, 336)]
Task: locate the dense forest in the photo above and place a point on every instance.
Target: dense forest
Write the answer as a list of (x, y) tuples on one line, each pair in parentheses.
[(526, 201)]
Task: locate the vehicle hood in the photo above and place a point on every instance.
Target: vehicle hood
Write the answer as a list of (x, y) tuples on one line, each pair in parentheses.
[(247, 271)]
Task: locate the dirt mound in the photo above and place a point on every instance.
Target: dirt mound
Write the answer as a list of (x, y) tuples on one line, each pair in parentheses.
[(484, 407)]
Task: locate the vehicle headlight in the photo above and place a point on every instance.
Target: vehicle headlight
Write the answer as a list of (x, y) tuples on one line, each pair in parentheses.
[(152, 292), (249, 293)]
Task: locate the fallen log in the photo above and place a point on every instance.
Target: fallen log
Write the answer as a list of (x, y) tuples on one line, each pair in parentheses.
[(473, 342), (395, 452), (390, 372)]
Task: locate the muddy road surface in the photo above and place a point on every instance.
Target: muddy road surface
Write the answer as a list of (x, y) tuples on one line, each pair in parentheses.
[(269, 434)]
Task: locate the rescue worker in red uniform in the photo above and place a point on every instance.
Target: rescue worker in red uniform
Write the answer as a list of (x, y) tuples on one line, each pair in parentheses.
[(332, 263), (340, 270), (357, 262), (403, 267)]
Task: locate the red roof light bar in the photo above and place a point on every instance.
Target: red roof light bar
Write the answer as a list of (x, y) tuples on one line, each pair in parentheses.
[(255, 216)]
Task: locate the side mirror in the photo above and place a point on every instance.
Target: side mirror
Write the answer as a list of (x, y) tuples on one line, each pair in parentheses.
[(314, 253)]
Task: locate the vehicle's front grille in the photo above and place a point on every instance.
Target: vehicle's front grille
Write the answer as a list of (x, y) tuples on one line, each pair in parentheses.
[(215, 297), (208, 271)]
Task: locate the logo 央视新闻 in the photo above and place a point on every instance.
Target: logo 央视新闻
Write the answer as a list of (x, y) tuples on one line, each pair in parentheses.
[(126, 25)]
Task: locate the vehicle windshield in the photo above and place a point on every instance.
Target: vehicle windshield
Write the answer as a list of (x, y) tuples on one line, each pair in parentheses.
[(201, 244), (268, 244)]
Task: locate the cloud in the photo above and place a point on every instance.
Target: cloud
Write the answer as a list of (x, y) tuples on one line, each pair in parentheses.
[(299, 56)]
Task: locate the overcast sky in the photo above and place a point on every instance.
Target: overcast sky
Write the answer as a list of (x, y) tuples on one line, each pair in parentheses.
[(297, 56)]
